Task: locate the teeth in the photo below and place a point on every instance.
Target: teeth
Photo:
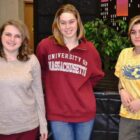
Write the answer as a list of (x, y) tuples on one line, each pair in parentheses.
[(68, 32), (11, 44)]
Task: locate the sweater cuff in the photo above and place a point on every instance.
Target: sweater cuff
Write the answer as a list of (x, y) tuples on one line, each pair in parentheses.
[(43, 129)]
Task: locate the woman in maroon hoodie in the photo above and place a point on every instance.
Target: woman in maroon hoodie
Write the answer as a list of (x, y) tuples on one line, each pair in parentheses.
[(71, 67)]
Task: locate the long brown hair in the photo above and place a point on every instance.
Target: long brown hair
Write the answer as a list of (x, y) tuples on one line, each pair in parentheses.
[(24, 50), (55, 26)]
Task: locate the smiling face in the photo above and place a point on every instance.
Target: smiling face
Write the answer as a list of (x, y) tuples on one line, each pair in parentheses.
[(11, 39), (68, 25)]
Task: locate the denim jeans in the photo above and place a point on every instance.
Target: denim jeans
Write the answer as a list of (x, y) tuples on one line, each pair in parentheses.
[(71, 131)]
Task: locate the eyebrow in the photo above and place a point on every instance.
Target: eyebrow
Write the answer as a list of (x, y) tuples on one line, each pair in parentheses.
[(68, 20), (135, 29), (11, 33)]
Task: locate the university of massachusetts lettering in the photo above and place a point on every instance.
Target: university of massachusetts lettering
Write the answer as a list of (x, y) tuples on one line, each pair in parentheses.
[(59, 62)]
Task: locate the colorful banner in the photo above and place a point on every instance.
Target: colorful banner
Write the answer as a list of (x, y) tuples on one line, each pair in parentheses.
[(122, 7)]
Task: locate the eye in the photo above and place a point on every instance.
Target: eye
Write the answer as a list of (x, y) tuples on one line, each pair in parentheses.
[(72, 21), (8, 34), (17, 36), (133, 32), (62, 22)]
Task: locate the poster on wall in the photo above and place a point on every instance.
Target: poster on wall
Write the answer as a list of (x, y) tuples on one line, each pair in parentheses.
[(122, 7)]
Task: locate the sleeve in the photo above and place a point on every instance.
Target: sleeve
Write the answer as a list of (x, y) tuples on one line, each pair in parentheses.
[(41, 54), (119, 64), (97, 73), (39, 97)]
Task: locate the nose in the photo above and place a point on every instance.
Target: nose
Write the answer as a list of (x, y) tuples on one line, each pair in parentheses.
[(12, 38), (67, 25), (137, 34)]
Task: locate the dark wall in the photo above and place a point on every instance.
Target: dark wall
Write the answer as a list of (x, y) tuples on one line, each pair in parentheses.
[(44, 11)]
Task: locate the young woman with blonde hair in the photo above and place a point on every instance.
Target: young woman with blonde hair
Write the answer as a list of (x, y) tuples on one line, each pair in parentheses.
[(71, 67)]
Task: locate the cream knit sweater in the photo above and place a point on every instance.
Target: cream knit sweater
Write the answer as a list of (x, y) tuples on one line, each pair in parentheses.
[(21, 96)]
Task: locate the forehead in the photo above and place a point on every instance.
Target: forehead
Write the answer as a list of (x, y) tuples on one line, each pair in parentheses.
[(136, 26), (11, 28), (67, 16)]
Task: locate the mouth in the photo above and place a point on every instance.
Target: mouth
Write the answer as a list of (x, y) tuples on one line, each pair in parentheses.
[(137, 42), (68, 31), (11, 43)]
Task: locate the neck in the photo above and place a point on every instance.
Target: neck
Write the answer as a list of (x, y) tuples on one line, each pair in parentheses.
[(137, 50), (11, 56), (71, 43)]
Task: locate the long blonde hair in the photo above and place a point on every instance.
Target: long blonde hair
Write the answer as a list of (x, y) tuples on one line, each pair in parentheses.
[(55, 26)]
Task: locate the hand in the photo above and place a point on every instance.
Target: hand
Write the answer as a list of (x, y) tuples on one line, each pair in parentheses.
[(126, 98), (134, 106), (44, 136)]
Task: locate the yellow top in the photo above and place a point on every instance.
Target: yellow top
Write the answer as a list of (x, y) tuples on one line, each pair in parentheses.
[(127, 70)]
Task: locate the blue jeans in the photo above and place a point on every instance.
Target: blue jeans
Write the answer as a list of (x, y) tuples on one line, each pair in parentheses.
[(71, 131)]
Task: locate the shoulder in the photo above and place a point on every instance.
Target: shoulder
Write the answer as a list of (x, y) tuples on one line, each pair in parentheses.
[(45, 44), (33, 59), (88, 44), (91, 48), (91, 52), (126, 51), (46, 41), (2, 59)]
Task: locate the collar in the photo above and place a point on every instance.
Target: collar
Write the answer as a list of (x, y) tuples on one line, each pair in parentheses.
[(82, 44)]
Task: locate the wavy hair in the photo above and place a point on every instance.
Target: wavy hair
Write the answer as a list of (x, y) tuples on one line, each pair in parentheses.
[(24, 50)]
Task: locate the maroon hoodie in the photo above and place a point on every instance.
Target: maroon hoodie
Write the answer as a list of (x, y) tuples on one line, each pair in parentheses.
[(69, 78)]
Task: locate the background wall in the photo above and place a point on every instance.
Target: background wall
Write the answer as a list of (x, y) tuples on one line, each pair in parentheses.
[(28, 19), (11, 9), (44, 11), (89, 9), (18, 9)]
